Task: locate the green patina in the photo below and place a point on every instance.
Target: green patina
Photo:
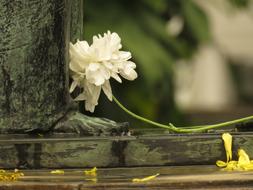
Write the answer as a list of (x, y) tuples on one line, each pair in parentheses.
[(34, 70), (77, 154), (137, 153)]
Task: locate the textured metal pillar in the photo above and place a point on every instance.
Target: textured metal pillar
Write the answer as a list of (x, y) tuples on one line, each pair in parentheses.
[(34, 38)]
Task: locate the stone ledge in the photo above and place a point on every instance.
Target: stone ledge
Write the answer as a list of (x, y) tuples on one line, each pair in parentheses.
[(180, 177), (72, 151)]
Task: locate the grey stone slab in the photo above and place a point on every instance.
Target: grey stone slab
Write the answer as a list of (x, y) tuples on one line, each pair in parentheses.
[(73, 151)]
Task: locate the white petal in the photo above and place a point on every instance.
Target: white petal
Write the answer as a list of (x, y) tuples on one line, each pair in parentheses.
[(105, 72), (107, 90), (95, 95), (92, 99), (75, 66), (115, 41), (99, 80), (93, 92), (82, 45), (129, 74), (77, 76), (128, 71), (92, 96), (97, 75), (93, 66), (116, 77), (124, 55), (108, 65), (131, 64), (95, 38), (106, 46), (81, 97), (76, 52), (89, 107), (100, 49), (73, 86), (93, 74), (78, 58)]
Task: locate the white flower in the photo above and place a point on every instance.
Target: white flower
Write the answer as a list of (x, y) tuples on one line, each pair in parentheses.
[(92, 67)]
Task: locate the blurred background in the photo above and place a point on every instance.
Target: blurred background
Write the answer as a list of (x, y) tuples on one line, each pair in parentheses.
[(194, 58)]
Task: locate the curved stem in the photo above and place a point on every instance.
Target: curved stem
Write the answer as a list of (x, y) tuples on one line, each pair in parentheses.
[(170, 127), (190, 129), (227, 123)]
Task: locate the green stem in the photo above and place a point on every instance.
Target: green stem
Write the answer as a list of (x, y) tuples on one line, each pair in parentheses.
[(190, 129), (170, 127), (227, 123)]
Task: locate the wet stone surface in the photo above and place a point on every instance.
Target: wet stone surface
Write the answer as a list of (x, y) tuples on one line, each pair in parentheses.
[(75, 151), (180, 177)]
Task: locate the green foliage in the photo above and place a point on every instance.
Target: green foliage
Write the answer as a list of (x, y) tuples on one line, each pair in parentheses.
[(240, 3), (196, 21), (142, 26)]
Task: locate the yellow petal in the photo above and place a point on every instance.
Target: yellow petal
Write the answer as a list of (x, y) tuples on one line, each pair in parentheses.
[(10, 176), (221, 164), (57, 172), (244, 161), (243, 157), (227, 138), (145, 178), (91, 172), (232, 165), (248, 167), (92, 179)]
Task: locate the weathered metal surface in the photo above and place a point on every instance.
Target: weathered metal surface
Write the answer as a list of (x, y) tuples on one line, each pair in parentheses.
[(34, 37), (72, 151), (186, 177)]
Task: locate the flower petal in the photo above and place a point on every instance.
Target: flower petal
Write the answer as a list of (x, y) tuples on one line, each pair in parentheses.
[(92, 66), (227, 138), (82, 45), (73, 86), (116, 77), (81, 97), (107, 89), (129, 74), (57, 172), (232, 165), (91, 172), (127, 71), (243, 158), (221, 164), (124, 55), (93, 74), (92, 94), (145, 178)]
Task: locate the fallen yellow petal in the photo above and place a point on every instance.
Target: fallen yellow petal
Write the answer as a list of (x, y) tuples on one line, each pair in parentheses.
[(145, 178), (248, 167), (231, 165), (10, 176), (221, 164), (244, 162), (57, 172), (92, 179), (91, 172), (227, 138), (243, 157)]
